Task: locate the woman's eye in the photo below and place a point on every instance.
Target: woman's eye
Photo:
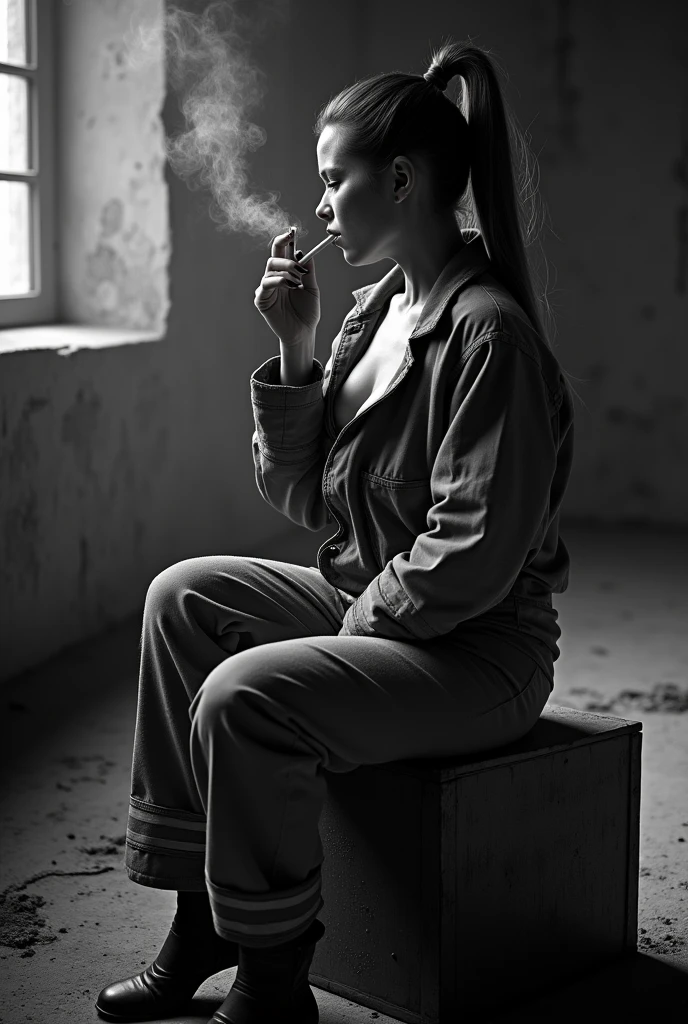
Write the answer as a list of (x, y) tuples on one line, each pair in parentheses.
[(330, 184)]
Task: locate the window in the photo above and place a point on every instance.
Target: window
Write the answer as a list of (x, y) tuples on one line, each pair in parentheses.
[(27, 171)]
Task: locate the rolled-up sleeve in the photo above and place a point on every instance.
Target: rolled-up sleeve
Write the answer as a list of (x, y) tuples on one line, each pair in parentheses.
[(490, 484), (288, 444)]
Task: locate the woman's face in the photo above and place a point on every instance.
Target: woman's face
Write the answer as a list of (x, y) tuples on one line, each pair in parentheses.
[(394, 218), (363, 215)]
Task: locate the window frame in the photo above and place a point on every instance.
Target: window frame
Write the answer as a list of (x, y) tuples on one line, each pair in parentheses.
[(40, 305)]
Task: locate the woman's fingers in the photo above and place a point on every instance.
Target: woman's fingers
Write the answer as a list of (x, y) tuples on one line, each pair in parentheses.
[(281, 243)]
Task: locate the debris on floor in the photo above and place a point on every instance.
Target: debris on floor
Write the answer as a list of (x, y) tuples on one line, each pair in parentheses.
[(664, 697), (19, 918)]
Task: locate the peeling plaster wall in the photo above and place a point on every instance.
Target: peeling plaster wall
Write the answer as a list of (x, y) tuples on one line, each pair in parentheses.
[(113, 211), (116, 463)]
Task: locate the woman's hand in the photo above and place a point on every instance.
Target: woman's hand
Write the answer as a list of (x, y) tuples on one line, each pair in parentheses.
[(288, 299)]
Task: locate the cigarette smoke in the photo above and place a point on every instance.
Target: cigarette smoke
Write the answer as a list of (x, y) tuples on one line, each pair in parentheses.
[(208, 65)]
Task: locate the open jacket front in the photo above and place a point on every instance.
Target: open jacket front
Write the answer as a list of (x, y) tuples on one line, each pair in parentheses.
[(445, 492)]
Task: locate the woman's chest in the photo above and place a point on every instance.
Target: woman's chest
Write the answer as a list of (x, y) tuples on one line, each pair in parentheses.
[(379, 365)]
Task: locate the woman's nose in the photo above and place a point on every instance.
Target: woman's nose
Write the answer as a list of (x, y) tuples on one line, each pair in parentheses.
[(319, 210)]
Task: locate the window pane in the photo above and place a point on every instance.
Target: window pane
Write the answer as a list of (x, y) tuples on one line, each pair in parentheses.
[(14, 123), (13, 31), (15, 225)]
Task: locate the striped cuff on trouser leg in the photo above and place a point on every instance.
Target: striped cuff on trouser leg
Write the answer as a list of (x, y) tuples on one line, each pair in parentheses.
[(265, 919), (165, 847)]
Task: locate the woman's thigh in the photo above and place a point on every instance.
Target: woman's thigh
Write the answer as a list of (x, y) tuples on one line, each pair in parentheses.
[(265, 631), (367, 700), (230, 603)]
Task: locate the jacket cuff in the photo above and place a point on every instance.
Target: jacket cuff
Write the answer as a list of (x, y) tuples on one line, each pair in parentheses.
[(266, 378), (288, 419)]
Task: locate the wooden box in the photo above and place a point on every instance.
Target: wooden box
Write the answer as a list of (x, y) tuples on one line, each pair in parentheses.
[(456, 887)]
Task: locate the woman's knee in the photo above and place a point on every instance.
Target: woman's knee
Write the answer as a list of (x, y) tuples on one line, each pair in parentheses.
[(221, 694), (248, 684), (190, 575), (164, 588)]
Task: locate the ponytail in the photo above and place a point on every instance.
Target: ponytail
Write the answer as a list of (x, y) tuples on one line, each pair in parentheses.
[(498, 207)]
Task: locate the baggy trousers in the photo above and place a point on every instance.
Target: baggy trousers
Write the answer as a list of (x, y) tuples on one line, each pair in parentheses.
[(247, 695)]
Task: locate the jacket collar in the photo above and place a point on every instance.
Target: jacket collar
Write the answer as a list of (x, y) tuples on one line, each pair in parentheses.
[(470, 261)]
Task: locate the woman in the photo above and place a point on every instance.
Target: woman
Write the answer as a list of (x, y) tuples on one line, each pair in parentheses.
[(438, 441)]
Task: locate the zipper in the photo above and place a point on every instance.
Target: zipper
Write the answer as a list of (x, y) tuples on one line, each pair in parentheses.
[(332, 426), (328, 461)]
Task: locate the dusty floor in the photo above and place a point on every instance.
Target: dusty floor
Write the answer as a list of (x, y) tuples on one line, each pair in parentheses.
[(71, 921)]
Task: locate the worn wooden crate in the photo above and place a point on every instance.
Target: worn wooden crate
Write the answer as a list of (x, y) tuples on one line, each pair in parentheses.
[(455, 887)]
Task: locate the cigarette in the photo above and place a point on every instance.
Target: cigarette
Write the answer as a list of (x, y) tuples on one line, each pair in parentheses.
[(319, 247)]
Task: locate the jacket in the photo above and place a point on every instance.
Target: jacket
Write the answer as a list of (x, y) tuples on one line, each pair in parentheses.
[(445, 493)]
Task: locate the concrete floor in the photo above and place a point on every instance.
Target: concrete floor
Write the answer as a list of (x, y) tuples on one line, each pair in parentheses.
[(71, 921)]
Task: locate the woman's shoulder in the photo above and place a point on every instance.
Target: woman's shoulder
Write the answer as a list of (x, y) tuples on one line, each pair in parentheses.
[(485, 307), (484, 312)]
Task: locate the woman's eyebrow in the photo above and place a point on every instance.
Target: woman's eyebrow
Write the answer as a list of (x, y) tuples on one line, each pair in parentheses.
[(330, 170)]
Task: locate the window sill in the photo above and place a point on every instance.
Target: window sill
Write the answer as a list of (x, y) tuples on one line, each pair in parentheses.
[(67, 339)]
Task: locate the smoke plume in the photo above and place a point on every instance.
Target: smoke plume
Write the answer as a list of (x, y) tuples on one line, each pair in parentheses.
[(209, 67)]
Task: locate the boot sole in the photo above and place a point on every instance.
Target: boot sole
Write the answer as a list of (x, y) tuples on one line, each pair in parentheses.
[(155, 1007), (152, 1013)]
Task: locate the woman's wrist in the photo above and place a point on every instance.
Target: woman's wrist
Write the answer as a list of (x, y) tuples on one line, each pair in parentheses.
[(296, 366)]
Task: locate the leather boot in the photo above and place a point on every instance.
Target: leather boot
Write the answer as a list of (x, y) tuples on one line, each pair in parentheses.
[(271, 984), (168, 985)]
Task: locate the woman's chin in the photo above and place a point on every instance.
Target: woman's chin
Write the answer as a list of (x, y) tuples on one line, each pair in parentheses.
[(353, 257), (346, 253)]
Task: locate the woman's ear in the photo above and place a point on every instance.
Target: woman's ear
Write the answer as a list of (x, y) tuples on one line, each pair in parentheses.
[(403, 178)]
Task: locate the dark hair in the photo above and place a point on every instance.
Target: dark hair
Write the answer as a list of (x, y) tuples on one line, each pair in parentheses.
[(468, 151)]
